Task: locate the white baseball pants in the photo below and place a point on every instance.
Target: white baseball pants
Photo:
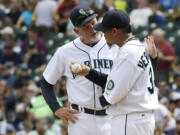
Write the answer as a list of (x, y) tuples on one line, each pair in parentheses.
[(88, 124), (133, 124)]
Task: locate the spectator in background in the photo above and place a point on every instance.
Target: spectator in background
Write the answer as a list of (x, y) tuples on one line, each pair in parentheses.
[(26, 16), (98, 3), (164, 91), (45, 13), (121, 4), (108, 4), (64, 10), (6, 35), (176, 115), (2, 18), (9, 56), (15, 11), (53, 127), (132, 4), (31, 91), (139, 16), (10, 130), (7, 75), (33, 38), (166, 56), (177, 82), (167, 4), (22, 76), (28, 126), (157, 16), (33, 58), (164, 121), (158, 131), (15, 108), (41, 129), (3, 122)]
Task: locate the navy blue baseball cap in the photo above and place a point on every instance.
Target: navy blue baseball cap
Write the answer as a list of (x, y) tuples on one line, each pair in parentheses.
[(81, 14), (113, 19)]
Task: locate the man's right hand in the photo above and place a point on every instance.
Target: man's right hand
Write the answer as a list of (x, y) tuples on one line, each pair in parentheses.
[(66, 114), (83, 71)]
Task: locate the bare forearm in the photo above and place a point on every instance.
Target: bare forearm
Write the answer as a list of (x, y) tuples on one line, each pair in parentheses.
[(168, 58)]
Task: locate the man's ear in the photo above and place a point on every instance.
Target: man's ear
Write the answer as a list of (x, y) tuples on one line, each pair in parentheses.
[(76, 31), (115, 31)]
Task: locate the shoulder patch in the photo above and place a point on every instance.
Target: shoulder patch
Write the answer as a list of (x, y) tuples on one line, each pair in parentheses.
[(110, 85)]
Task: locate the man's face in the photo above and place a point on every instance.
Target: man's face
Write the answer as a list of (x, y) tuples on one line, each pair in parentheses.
[(108, 34), (87, 31), (32, 35)]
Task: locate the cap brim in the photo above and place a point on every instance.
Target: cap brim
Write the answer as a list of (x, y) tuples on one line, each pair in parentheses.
[(100, 27), (88, 19)]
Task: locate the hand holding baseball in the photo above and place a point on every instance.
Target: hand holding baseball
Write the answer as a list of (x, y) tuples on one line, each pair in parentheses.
[(79, 69)]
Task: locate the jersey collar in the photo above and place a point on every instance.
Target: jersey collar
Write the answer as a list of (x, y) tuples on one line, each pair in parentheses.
[(87, 48)]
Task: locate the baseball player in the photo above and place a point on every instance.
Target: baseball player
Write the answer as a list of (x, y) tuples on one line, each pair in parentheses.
[(130, 94), (85, 116)]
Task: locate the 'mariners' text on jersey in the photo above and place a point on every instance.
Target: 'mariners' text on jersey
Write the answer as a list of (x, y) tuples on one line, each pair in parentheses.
[(100, 63)]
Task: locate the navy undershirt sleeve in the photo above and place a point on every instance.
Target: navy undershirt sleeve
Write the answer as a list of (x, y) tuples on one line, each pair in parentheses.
[(154, 63), (103, 101), (97, 77), (49, 95)]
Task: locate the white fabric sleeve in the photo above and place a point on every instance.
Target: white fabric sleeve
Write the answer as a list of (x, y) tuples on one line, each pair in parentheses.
[(55, 68), (120, 81)]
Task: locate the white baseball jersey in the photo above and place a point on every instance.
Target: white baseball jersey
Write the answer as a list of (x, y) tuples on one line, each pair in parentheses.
[(80, 90), (130, 85)]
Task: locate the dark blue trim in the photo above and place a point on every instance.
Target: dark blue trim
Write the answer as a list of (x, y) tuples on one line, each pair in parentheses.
[(126, 124), (103, 101), (99, 52)]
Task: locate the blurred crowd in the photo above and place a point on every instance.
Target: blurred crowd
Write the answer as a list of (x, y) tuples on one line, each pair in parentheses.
[(31, 31)]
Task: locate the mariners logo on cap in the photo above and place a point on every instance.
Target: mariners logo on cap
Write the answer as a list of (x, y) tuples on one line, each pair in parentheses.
[(91, 11), (110, 85), (82, 12)]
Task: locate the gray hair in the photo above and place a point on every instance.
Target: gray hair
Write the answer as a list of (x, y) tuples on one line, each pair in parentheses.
[(158, 32)]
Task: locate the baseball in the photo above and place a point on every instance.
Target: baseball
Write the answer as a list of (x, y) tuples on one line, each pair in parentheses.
[(75, 68)]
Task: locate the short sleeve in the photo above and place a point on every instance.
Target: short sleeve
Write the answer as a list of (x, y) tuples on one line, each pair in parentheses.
[(55, 68)]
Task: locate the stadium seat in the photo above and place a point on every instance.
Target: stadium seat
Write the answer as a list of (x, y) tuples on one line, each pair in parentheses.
[(21, 33)]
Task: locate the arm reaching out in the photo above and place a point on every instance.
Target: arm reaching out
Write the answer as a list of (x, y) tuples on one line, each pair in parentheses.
[(152, 51), (151, 47), (91, 74)]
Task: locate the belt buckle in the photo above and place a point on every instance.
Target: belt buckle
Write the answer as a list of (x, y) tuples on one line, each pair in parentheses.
[(94, 112), (80, 108)]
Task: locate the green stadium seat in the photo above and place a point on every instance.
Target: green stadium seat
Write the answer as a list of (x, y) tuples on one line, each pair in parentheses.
[(21, 32)]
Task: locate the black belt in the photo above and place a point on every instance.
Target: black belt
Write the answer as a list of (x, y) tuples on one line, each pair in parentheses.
[(89, 111)]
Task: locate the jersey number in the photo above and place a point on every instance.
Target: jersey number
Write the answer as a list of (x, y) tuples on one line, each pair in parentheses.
[(151, 88)]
